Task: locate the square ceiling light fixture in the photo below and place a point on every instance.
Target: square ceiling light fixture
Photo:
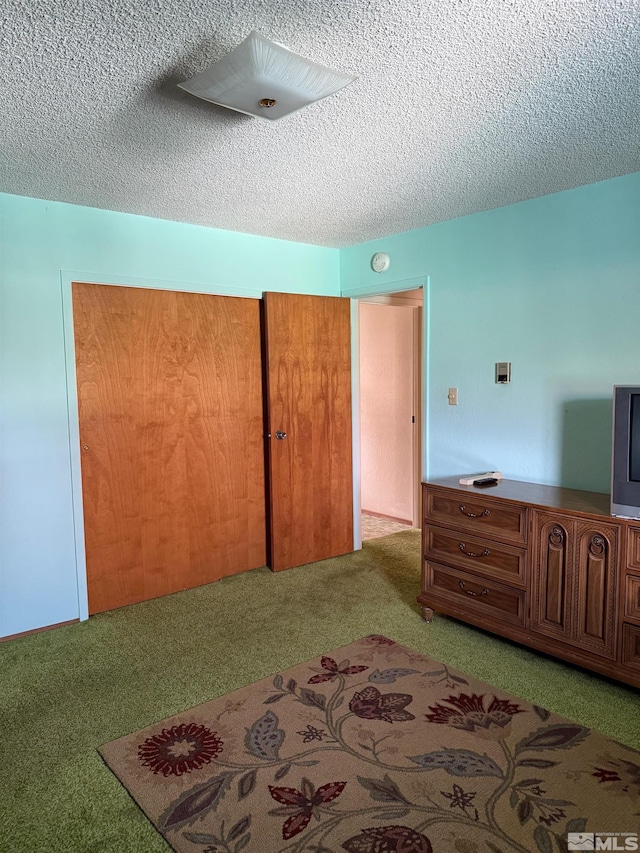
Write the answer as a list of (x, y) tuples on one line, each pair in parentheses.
[(265, 79)]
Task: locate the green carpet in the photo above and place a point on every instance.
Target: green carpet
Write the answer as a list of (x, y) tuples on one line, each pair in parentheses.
[(67, 691)]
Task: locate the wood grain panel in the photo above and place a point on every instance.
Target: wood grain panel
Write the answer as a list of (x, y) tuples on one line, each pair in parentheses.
[(633, 548), (596, 587), (308, 368), (594, 623), (631, 646), (552, 583), (632, 597), (554, 591), (171, 411)]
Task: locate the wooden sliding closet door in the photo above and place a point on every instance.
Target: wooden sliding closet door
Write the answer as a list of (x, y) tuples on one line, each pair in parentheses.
[(308, 366), (171, 432)]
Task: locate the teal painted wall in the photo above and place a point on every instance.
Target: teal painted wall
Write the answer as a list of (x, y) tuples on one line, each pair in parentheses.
[(552, 285), (43, 246)]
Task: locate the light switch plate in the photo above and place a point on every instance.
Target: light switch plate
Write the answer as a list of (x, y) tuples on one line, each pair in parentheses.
[(503, 372)]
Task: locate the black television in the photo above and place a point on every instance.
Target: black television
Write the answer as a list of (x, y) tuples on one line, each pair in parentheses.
[(625, 457)]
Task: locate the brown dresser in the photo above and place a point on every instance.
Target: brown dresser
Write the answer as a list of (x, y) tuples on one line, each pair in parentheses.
[(545, 566)]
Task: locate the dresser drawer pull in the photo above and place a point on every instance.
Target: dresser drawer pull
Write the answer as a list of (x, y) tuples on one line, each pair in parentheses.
[(484, 553), (485, 591), (483, 514)]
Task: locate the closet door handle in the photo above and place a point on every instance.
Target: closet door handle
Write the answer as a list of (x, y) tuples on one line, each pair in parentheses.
[(280, 435), (485, 591), (484, 553), (483, 514)]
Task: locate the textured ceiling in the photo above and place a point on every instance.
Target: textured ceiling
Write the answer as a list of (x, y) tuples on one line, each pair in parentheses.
[(459, 106)]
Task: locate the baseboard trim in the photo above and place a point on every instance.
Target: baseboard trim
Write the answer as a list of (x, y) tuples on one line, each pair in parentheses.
[(38, 630), (388, 517)]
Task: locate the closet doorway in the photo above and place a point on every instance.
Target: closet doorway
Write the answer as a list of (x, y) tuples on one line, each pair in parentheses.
[(390, 332)]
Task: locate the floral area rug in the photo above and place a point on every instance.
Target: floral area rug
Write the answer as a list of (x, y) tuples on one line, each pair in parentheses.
[(374, 748)]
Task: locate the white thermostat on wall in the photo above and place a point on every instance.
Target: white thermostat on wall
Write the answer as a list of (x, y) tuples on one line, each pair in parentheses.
[(380, 262)]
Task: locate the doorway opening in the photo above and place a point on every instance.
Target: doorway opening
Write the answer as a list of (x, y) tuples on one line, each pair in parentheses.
[(390, 359)]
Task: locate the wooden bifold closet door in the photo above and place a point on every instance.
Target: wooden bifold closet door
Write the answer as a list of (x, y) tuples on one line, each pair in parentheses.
[(172, 439)]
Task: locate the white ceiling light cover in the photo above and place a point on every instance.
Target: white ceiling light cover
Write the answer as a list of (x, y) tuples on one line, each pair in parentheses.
[(262, 70)]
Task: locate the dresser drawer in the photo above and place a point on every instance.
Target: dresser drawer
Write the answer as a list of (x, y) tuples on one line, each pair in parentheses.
[(633, 548), (483, 557), (475, 512), (446, 586), (631, 646), (632, 597)]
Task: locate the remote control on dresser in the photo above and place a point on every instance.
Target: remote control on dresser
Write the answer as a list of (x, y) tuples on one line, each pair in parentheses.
[(486, 481)]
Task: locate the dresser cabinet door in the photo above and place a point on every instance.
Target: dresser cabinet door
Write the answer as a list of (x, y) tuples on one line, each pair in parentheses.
[(551, 612), (596, 588), (575, 582)]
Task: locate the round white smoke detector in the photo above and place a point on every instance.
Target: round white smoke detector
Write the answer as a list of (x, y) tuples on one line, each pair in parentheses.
[(380, 262)]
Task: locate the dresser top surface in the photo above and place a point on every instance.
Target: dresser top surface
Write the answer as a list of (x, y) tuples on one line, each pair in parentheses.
[(536, 494)]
